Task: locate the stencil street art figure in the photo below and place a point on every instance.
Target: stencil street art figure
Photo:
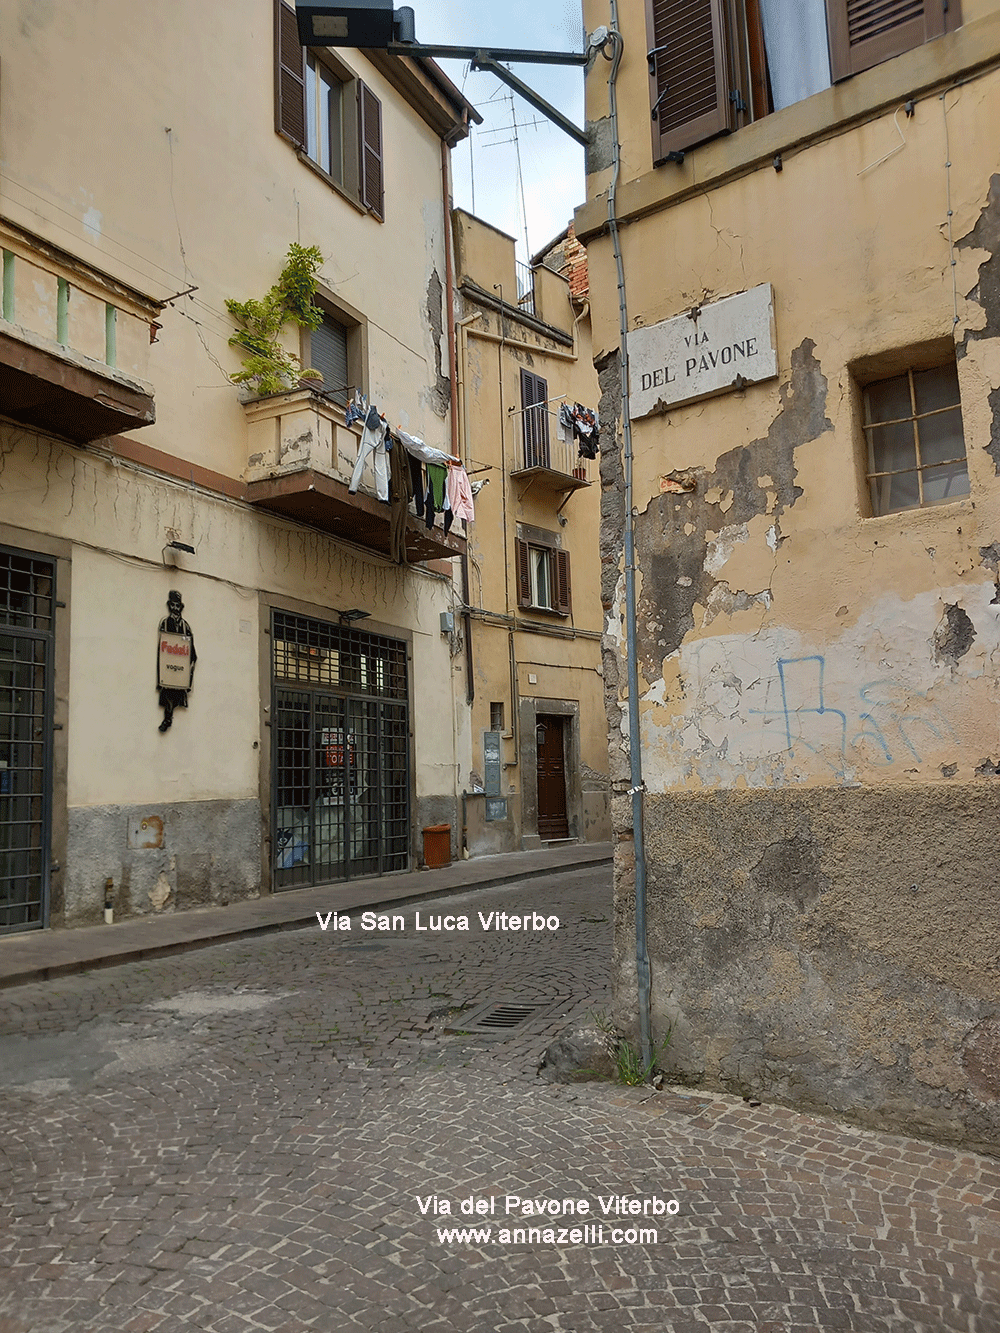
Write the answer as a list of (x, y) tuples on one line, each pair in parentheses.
[(175, 659)]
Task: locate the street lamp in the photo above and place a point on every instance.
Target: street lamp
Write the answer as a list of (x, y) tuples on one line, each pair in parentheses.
[(374, 24)]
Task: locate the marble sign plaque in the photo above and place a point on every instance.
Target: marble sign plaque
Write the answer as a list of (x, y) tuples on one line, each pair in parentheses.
[(718, 347)]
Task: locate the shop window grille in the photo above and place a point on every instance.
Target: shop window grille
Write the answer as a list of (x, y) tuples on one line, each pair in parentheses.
[(340, 741), (27, 608)]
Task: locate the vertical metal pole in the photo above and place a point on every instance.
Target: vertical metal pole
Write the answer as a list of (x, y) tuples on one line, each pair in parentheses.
[(62, 312), (110, 335), (9, 260), (634, 743)]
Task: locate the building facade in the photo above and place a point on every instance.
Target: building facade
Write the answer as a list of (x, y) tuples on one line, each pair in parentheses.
[(809, 202), (533, 624), (222, 672)]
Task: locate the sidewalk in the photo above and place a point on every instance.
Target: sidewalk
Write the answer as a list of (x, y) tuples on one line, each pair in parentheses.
[(40, 955)]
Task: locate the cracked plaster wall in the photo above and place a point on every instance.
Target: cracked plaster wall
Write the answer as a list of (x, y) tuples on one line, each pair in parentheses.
[(818, 696)]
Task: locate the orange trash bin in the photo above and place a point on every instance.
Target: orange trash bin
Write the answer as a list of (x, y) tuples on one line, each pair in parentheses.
[(437, 846)]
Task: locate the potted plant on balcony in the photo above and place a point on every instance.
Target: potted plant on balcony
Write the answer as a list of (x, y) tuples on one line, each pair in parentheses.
[(268, 368)]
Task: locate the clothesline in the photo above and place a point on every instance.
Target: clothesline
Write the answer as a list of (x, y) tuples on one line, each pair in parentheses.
[(516, 411)]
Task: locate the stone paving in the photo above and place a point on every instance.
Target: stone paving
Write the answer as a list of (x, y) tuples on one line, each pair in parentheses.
[(263, 1135)]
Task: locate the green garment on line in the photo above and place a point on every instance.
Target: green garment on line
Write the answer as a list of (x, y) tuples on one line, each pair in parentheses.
[(436, 476)]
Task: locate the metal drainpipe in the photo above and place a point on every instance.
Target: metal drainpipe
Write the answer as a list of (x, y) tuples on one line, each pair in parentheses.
[(635, 753), (461, 449), (511, 645)]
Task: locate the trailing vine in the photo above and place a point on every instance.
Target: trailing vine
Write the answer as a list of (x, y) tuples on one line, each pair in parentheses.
[(267, 366)]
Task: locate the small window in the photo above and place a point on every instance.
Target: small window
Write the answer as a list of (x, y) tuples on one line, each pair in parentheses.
[(496, 716), (916, 446), (543, 577), (328, 354), (325, 119)]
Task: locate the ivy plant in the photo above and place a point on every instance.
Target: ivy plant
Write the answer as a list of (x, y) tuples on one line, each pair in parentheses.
[(267, 366)]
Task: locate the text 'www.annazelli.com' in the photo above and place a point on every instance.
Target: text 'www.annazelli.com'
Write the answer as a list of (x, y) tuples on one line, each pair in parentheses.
[(589, 1233), (593, 1234)]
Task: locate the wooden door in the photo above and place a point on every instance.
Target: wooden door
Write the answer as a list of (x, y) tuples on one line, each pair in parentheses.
[(552, 822)]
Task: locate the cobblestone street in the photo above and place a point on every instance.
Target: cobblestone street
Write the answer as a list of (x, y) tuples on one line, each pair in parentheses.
[(261, 1135)]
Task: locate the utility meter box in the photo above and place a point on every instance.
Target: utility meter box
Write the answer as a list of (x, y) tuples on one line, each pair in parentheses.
[(362, 23)]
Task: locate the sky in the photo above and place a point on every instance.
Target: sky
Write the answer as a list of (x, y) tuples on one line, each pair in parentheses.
[(526, 184)]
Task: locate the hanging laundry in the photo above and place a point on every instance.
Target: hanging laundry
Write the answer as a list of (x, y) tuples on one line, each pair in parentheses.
[(400, 490), (357, 409), (372, 445), (412, 444), (585, 428), (434, 496), (565, 423), (417, 485), (460, 494)]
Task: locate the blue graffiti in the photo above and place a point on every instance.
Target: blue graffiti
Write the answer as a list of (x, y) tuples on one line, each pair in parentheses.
[(886, 716)]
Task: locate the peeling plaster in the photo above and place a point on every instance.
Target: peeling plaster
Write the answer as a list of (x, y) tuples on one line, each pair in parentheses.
[(440, 393), (985, 235), (672, 535)]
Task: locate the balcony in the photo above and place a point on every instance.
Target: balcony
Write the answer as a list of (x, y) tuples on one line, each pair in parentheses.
[(546, 460), (301, 457), (74, 343)]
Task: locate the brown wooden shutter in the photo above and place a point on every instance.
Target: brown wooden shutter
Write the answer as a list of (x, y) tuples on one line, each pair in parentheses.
[(562, 581), (289, 77), (372, 175), (863, 33), (523, 575), (535, 419), (688, 80)]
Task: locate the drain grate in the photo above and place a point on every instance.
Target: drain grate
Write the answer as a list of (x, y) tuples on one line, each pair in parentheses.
[(505, 1016), (498, 1018)]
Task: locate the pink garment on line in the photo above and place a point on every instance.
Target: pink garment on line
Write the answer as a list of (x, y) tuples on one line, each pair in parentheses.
[(460, 494)]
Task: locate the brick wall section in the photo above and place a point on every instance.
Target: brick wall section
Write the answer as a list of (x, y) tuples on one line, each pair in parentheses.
[(569, 257)]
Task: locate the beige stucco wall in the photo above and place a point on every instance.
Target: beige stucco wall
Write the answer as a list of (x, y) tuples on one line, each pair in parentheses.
[(817, 692)]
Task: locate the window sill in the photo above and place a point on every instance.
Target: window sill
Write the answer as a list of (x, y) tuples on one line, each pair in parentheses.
[(344, 193), (942, 509)]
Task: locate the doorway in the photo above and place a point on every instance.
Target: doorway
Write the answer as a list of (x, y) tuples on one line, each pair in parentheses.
[(551, 764)]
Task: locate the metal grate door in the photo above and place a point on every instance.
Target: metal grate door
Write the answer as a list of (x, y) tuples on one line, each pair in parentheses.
[(27, 603), (340, 746)]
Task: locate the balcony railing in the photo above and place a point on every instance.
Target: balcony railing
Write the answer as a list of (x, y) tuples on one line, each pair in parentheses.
[(74, 342), (545, 455), (525, 287)]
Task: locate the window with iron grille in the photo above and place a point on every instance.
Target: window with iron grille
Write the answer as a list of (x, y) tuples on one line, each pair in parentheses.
[(915, 441), (340, 752), (715, 65), (27, 608)]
